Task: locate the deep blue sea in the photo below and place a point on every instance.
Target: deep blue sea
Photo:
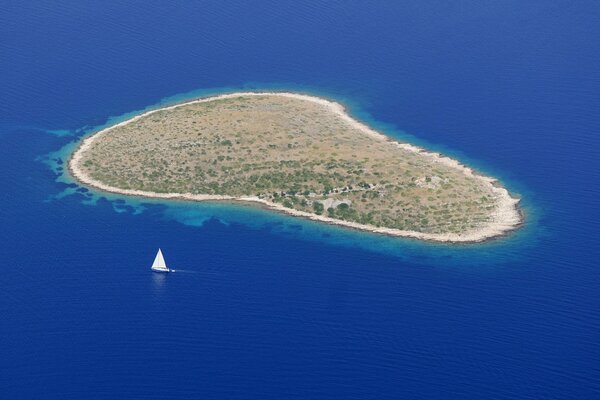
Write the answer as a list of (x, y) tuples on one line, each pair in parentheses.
[(269, 306)]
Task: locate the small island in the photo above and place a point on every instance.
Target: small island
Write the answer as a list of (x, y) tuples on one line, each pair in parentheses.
[(298, 154)]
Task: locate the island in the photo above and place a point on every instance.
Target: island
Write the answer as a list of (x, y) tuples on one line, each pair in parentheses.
[(298, 154)]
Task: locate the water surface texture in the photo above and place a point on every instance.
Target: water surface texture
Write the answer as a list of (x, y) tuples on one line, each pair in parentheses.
[(272, 307)]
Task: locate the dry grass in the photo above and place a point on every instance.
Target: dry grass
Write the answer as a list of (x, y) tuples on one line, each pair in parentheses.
[(293, 152)]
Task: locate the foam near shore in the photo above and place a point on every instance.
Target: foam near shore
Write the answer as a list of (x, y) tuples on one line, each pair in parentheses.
[(504, 218)]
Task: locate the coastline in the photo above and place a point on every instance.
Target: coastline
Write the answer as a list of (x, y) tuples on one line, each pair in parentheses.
[(505, 218)]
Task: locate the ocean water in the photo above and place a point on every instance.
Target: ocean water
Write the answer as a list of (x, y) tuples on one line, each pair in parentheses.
[(271, 307)]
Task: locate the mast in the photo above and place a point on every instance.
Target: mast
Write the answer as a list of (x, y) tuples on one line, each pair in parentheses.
[(159, 262)]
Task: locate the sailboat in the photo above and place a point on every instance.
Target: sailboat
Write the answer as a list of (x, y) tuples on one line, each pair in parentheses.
[(159, 264)]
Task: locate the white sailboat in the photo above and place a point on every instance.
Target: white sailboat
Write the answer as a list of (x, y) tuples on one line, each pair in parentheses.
[(159, 264)]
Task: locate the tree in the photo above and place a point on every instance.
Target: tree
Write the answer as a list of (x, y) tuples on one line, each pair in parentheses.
[(318, 207)]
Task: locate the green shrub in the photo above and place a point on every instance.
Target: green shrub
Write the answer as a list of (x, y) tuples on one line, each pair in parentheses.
[(318, 207)]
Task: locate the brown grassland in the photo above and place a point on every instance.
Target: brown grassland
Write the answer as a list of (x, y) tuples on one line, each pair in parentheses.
[(293, 152)]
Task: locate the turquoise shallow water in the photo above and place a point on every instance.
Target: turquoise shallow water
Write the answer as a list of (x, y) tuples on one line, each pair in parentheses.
[(269, 306), (197, 214)]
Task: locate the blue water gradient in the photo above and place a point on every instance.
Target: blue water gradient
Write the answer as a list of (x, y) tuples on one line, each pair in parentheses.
[(268, 306)]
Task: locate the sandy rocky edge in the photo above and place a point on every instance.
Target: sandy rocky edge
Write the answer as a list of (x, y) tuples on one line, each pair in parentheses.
[(505, 217)]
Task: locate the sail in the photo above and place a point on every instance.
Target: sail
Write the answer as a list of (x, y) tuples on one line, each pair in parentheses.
[(159, 262)]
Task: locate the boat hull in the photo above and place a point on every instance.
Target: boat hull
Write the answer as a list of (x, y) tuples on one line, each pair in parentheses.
[(160, 271)]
